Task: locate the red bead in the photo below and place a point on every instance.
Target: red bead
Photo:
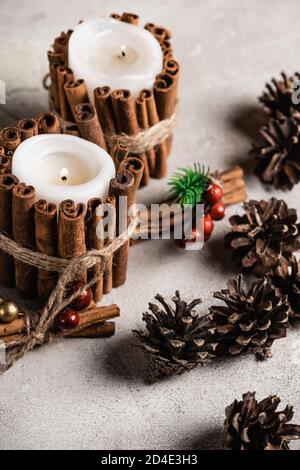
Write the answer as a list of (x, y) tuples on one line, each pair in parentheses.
[(214, 194), (217, 211), (82, 301), (67, 319), (208, 227)]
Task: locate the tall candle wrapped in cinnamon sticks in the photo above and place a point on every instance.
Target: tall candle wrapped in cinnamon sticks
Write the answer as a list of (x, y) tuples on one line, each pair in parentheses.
[(24, 233), (71, 232), (46, 242), (7, 267), (88, 123)]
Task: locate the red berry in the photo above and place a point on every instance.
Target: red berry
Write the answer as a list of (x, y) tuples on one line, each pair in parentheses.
[(195, 235), (214, 194), (82, 301), (217, 211), (67, 319), (208, 227)]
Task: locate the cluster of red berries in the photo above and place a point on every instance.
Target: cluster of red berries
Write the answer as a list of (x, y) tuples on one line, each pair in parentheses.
[(214, 210), (69, 317)]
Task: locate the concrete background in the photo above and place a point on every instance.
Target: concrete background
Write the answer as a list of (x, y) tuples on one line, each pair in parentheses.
[(88, 394)]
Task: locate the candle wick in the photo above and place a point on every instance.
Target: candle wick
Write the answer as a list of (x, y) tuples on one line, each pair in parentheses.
[(123, 52), (64, 178)]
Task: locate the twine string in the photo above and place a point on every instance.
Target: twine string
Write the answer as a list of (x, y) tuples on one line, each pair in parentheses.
[(38, 331)]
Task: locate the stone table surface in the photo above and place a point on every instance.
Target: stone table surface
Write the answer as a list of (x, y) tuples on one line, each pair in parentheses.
[(92, 394)]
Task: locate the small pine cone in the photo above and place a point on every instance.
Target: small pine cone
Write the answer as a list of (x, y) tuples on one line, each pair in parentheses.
[(266, 232), (277, 155), (252, 425), (174, 339), (277, 98), (252, 318), (286, 280)]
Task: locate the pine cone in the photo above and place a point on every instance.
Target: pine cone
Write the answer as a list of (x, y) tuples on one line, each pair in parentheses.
[(250, 425), (286, 280), (266, 232), (174, 339), (278, 154), (277, 98), (252, 318)]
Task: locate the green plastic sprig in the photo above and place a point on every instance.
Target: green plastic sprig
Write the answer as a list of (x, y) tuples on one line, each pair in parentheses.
[(187, 185)]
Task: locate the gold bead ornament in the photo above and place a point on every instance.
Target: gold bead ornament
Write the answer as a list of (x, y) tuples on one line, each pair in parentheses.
[(9, 311)]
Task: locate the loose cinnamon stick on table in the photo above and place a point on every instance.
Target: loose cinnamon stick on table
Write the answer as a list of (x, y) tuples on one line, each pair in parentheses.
[(46, 242), (122, 185), (102, 330), (126, 118), (73, 129), (24, 233), (233, 173), (103, 105), (10, 138), (71, 232), (87, 318), (28, 128), (64, 75), (158, 168), (7, 267), (95, 240), (88, 123), (131, 18), (143, 121), (76, 93), (48, 123)]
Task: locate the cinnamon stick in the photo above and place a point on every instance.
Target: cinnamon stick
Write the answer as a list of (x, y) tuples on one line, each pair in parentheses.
[(158, 168), (236, 172), (233, 186), (71, 233), (115, 16), (165, 93), (172, 68), (102, 330), (55, 57), (7, 267), (46, 242), (61, 44), (10, 138), (15, 327), (143, 121), (124, 111), (64, 74), (131, 18), (54, 85), (122, 185), (2, 150), (28, 128), (76, 93), (118, 153), (48, 123), (95, 240), (88, 123), (235, 197), (104, 108), (23, 200), (135, 166), (5, 161), (4, 170), (110, 229), (73, 129)]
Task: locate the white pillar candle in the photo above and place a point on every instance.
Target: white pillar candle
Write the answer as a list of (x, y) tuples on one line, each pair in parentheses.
[(110, 52), (63, 167)]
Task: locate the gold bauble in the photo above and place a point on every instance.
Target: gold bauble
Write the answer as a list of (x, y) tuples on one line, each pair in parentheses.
[(9, 311)]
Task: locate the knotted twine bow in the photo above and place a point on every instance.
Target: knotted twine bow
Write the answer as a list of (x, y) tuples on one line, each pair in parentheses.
[(38, 330)]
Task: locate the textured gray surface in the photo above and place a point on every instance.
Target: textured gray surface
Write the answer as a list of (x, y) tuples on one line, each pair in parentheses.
[(90, 394)]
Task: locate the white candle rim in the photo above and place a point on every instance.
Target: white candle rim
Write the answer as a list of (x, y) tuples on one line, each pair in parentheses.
[(26, 175)]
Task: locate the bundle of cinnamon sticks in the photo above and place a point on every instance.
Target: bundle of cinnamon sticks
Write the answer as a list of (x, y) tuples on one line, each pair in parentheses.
[(115, 111), (94, 323)]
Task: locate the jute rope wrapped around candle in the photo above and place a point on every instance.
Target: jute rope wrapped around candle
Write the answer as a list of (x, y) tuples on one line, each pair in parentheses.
[(39, 327), (144, 124)]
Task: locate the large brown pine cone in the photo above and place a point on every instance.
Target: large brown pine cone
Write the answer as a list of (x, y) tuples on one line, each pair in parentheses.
[(277, 154), (266, 232), (277, 97), (252, 425), (174, 339), (251, 319)]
